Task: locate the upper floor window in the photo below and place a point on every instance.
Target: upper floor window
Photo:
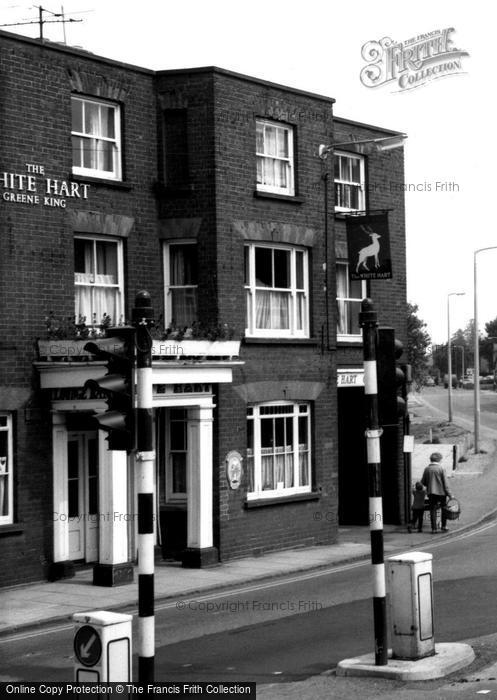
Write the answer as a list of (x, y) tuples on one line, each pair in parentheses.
[(274, 151), (278, 449), (350, 293), (6, 470), (175, 142), (98, 280), (96, 138), (349, 182), (180, 283), (277, 291)]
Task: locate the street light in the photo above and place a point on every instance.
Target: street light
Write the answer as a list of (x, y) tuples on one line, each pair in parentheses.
[(477, 352), (449, 351)]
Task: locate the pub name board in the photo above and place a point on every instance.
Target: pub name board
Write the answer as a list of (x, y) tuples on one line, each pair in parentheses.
[(33, 187)]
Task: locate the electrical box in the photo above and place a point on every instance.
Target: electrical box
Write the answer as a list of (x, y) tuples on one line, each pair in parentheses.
[(410, 585), (102, 647)]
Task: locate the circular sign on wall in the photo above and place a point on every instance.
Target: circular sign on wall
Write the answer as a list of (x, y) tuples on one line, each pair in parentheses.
[(234, 470), (87, 646)]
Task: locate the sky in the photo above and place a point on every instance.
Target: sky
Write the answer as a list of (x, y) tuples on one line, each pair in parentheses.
[(316, 46)]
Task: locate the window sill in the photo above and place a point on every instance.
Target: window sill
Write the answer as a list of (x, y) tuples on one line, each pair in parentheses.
[(276, 500), (294, 199), (342, 215), (117, 184), (280, 341), (355, 340), (14, 529)]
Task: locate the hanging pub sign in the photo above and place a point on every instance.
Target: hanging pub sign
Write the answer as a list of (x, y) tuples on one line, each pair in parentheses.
[(368, 242)]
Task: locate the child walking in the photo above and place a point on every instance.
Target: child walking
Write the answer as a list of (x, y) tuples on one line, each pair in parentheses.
[(418, 507)]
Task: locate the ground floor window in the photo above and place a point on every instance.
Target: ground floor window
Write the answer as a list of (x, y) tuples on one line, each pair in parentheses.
[(6, 470), (278, 449)]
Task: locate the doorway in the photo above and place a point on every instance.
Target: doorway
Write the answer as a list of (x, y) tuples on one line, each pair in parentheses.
[(172, 455), (82, 495), (353, 502)]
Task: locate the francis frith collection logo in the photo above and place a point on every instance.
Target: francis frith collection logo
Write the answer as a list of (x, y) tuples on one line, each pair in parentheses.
[(411, 63)]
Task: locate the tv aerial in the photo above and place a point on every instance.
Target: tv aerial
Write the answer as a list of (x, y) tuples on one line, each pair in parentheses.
[(61, 18)]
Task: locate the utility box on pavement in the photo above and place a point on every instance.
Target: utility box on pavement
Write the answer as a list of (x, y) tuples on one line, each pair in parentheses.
[(411, 605), (102, 647)]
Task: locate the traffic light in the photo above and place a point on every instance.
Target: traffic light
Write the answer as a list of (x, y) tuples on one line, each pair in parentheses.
[(392, 378), (117, 387)]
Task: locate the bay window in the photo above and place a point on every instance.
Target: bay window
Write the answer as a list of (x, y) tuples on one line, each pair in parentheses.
[(98, 280), (277, 291), (278, 449)]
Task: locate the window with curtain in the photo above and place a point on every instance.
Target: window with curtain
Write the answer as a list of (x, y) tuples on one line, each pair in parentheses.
[(350, 293), (274, 153), (349, 182), (98, 280), (278, 449), (180, 283), (96, 138), (6, 470), (277, 291)]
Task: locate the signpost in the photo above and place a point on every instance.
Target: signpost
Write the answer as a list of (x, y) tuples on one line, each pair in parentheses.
[(102, 647)]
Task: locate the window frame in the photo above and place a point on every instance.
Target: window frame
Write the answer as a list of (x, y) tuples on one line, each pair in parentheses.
[(116, 173), (251, 292), (120, 275), (254, 415), (9, 470), (289, 190), (166, 256), (361, 183), (349, 337), (176, 497)]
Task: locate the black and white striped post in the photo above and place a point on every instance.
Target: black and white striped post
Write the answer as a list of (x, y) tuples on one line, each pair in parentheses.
[(145, 464), (368, 323)]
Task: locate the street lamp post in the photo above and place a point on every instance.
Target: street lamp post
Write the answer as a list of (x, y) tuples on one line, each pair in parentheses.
[(477, 352), (449, 351)]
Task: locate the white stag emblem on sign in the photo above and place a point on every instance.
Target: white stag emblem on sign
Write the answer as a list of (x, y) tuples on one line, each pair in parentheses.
[(370, 251)]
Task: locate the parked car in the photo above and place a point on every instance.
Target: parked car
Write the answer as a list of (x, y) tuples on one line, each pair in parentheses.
[(429, 381)]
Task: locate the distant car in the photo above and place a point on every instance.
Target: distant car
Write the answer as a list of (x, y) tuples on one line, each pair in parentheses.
[(429, 381)]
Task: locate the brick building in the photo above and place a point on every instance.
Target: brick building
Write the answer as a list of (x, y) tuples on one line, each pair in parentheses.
[(204, 187)]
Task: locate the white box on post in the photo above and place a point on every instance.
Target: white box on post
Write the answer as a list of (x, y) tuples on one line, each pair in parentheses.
[(410, 583), (102, 647)]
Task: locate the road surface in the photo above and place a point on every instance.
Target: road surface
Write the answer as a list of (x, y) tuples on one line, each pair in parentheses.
[(287, 629)]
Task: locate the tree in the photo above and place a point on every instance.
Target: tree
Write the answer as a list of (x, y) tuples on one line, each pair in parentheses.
[(418, 341), (488, 345)]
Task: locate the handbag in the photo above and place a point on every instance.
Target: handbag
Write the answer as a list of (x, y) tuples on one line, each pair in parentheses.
[(452, 509)]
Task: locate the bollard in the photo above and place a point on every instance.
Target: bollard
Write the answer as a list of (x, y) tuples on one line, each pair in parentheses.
[(102, 647), (411, 605)]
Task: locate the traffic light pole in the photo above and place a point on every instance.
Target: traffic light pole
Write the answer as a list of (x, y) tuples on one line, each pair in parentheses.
[(368, 322), (145, 461)]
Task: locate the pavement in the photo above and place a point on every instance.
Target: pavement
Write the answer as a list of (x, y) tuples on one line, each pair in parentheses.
[(473, 483)]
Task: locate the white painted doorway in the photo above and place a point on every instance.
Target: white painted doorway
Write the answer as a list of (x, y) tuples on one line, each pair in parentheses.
[(83, 495)]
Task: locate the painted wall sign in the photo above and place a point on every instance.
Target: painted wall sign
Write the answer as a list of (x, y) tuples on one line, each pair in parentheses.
[(34, 188), (234, 470)]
